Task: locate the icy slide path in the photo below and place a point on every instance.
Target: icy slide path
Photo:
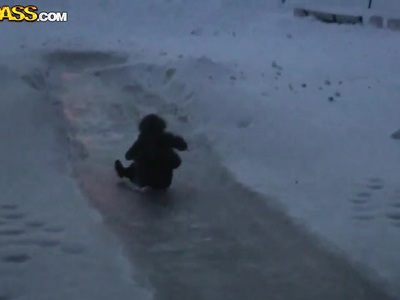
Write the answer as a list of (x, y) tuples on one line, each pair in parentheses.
[(209, 237), (52, 245)]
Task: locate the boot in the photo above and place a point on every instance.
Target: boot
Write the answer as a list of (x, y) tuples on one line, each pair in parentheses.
[(119, 168)]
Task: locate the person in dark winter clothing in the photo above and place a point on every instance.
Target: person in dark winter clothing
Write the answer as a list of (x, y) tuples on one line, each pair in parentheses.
[(153, 155)]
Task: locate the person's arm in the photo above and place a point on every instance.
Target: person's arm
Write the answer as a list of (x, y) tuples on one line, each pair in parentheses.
[(176, 141)]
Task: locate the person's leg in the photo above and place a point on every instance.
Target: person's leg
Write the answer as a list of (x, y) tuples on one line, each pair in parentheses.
[(161, 179), (129, 172), (144, 175), (133, 173), (119, 168)]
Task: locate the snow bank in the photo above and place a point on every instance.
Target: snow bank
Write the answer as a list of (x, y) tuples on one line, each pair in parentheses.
[(52, 244)]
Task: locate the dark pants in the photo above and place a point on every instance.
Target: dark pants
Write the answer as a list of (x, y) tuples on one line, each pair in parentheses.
[(151, 176)]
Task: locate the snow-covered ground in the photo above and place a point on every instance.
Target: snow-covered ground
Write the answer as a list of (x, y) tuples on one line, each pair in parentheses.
[(296, 109)]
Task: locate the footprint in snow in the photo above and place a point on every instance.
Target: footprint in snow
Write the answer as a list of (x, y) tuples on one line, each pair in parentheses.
[(13, 216), (15, 258), (375, 184), (393, 212), (8, 207), (361, 207), (35, 224), (11, 232)]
